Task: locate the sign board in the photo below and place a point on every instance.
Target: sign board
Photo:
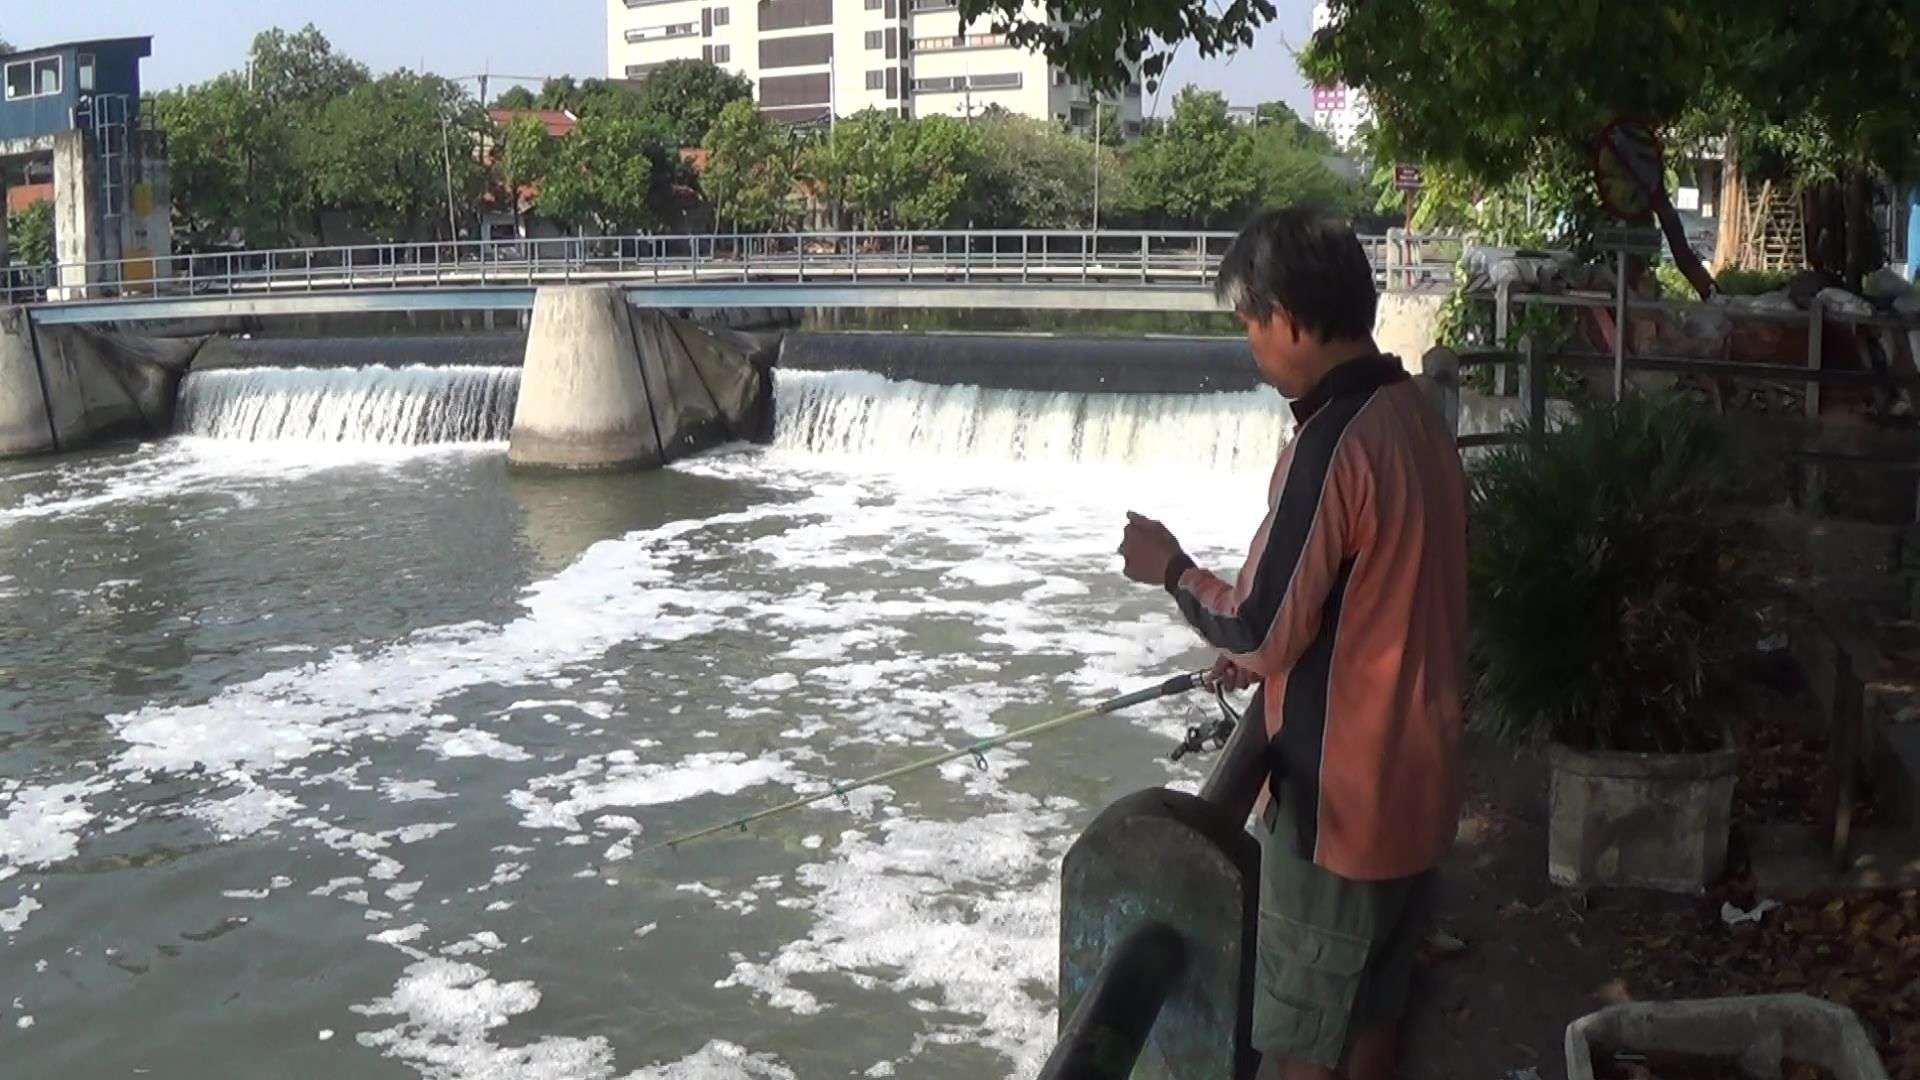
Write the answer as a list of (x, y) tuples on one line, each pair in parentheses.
[(1407, 178), (1632, 239), (1629, 164)]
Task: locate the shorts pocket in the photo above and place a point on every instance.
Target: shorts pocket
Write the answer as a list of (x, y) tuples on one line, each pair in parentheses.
[(1309, 979)]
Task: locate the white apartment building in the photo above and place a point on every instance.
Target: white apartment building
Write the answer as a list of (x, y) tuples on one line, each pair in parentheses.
[(809, 59), (1338, 110)]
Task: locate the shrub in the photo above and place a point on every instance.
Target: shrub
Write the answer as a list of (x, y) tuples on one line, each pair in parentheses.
[(1599, 577)]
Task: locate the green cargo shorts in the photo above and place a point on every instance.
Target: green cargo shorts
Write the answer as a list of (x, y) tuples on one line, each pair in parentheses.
[(1335, 957)]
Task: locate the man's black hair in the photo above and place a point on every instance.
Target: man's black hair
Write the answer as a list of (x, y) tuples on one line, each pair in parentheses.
[(1307, 264)]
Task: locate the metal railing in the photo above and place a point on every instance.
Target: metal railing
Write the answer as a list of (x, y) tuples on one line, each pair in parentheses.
[(982, 256), (1532, 365)]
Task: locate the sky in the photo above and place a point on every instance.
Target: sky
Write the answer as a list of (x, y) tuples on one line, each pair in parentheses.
[(196, 39)]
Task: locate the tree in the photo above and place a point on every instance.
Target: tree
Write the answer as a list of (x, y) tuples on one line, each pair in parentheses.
[(30, 234), (913, 174), (688, 96), (6, 47), (1104, 43), (516, 97), (1199, 169), (1035, 175), (300, 68), (385, 149), (1291, 172), (1542, 81), (525, 158), (560, 93), (602, 177), (1279, 116), (750, 167)]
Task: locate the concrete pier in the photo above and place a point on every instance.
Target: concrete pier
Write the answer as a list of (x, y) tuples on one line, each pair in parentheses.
[(65, 388), (583, 397), (607, 387)]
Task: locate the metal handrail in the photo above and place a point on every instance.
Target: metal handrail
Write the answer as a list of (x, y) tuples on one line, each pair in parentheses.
[(1169, 255)]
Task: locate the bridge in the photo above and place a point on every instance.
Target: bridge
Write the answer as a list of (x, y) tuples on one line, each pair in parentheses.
[(980, 269)]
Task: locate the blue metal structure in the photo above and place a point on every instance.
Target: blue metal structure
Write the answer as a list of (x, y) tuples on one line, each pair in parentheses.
[(55, 88)]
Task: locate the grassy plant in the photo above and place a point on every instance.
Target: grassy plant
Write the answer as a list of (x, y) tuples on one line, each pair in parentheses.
[(1599, 578)]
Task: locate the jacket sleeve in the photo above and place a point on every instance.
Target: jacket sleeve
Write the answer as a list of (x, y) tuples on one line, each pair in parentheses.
[(1268, 618)]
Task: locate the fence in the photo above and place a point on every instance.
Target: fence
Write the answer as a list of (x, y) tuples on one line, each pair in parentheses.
[(1532, 365), (984, 256)]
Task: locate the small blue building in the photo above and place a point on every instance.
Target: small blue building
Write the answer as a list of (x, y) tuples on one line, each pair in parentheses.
[(72, 111), (78, 85)]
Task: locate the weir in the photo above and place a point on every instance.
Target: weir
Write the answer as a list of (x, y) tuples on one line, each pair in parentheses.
[(404, 406)]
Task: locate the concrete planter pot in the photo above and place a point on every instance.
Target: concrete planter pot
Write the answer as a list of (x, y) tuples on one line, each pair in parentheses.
[(1653, 820), (1759, 1033)]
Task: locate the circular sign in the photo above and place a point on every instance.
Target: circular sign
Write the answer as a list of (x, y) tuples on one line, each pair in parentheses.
[(1628, 166)]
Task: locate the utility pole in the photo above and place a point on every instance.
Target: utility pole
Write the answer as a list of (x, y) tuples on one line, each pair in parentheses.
[(446, 153), (1096, 160)]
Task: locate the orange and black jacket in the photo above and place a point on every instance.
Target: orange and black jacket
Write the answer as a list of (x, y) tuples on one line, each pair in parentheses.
[(1352, 608)]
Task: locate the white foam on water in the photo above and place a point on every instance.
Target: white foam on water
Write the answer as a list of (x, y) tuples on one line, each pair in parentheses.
[(253, 810), (624, 783), (41, 824), (474, 742), (15, 917), (447, 1010)]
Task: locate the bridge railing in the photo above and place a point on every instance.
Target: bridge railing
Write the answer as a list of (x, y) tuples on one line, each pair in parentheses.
[(988, 256)]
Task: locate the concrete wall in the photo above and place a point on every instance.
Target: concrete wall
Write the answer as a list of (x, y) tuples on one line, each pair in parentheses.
[(1016, 362), (1407, 324), (64, 388)]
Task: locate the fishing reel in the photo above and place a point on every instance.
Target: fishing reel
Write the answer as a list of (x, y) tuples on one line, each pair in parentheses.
[(1213, 735)]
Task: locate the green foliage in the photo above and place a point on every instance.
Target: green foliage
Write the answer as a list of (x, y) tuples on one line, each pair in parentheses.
[(687, 96), (6, 47), (383, 149), (1598, 578), (602, 177), (1198, 169), (526, 155), (516, 97), (891, 172), (1038, 176), (750, 170), (1203, 170), (1752, 282), (30, 235), (300, 69), (1105, 44)]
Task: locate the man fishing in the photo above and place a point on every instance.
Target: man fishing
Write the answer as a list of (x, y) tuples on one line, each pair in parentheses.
[(1350, 616)]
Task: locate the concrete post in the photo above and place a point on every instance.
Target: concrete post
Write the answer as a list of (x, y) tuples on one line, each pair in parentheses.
[(583, 397), (76, 218)]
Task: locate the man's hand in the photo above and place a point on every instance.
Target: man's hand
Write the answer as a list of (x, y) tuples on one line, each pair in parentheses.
[(1147, 548), (1228, 675)]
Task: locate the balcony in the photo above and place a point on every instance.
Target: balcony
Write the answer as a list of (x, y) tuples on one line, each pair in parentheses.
[(961, 41), (662, 33)]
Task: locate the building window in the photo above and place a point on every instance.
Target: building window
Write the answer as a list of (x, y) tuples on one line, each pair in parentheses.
[(944, 84), (722, 16), (83, 72), (662, 33), (876, 39), (877, 80), (723, 54), (934, 5), (874, 5), (959, 41), (33, 78), (1005, 81), (1059, 77)]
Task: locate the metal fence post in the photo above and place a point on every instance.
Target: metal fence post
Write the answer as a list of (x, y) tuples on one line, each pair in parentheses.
[(1816, 326), (1143, 258), (1502, 319), (1533, 378), (1620, 326)]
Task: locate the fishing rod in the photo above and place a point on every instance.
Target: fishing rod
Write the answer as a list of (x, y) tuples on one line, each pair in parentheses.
[(1179, 684)]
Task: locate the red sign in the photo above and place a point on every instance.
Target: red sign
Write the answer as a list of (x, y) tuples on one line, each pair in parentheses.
[(1407, 178), (1629, 165)]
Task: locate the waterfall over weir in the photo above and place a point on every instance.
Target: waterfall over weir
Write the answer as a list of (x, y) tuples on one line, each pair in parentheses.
[(862, 415), (411, 405)]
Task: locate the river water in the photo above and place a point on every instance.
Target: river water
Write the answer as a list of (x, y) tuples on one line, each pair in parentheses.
[(329, 747)]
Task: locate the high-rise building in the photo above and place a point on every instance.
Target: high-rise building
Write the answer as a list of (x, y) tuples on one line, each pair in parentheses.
[(1340, 111), (809, 59)]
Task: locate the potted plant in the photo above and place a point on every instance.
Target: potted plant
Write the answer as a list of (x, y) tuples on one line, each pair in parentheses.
[(1599, 585)]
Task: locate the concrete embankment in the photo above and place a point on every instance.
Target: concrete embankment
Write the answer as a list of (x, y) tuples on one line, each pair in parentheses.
[(66, 388)]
